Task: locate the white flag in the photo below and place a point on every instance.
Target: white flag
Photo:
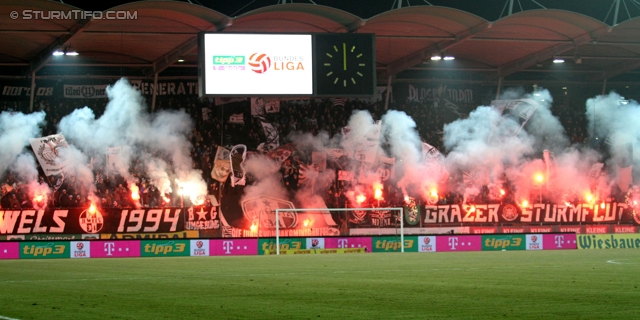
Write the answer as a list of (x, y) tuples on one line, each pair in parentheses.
[(237, 118), (47, 151), (236, 159), (271, 133)]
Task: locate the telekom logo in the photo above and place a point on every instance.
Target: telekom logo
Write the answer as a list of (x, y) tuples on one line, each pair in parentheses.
[(109, 247), (453, 242), (343, 243), (227, 246), (559, 241)]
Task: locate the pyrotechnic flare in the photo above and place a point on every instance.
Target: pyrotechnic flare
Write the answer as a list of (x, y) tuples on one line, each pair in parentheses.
[(92, 209), (589, 197), (539, 178), (135, 194), (378, 194)]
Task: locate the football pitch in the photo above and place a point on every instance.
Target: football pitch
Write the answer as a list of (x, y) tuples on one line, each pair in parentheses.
[(594, 284)]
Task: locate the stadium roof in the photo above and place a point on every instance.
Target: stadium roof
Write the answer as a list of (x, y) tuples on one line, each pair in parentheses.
[(518, 47)]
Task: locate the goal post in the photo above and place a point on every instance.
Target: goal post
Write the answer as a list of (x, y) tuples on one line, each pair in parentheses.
[(399, 210)]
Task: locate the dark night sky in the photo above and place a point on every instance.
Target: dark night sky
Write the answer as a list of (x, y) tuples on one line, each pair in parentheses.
[(487, 9)]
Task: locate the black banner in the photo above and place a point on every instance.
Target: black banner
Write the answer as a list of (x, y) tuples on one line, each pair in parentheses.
[(536, 213), (453, 100), (17, 90), (85, 221), (207, 219)]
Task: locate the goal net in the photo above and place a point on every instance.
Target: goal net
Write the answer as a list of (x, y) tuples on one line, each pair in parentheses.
[(322, 222)]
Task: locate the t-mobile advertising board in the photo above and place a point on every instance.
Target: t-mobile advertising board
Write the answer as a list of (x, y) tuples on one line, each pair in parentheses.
[(115, 249), (459, 243), (348, 243), (233, 247), (559, 241), (9, 250)]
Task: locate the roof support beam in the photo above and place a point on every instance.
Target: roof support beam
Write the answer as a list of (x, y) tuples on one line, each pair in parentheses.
[(532, 59), (45, 55), (616, 70), (172, 56), (418, 57), (354, 26)]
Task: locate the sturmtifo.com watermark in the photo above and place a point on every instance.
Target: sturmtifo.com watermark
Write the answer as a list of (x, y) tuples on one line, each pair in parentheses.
[(73, 15)]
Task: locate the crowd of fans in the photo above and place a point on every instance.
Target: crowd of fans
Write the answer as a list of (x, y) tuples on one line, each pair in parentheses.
[(212, 128)]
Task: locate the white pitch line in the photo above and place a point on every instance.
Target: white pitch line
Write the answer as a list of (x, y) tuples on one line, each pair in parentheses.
[(7, 318), (81, 279), (613, 261), (345, 272)]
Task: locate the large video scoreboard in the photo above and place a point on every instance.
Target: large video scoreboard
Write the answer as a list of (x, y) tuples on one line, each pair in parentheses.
[(322, 65)]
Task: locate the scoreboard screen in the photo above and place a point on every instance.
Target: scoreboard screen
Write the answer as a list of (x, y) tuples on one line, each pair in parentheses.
[(257, 64), (318, 65)]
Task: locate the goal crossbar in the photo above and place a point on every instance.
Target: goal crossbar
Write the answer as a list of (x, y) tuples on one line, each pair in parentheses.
[(400, 210)]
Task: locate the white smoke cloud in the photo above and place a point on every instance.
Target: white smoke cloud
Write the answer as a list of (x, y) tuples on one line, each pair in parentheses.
[(613, 123), (25, 167), (15, 130), (160, 140)]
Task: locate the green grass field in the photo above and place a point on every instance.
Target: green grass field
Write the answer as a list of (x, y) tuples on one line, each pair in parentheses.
[(593, 284)]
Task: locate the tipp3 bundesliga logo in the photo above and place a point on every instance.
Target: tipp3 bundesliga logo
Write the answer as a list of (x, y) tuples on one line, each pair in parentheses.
[(259, 62)]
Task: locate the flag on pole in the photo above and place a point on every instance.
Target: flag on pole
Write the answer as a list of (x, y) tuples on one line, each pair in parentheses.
[(236, 160), (47, 150), (237, 118), (520, 110), (271, 133), (346, 175), (221, 165)]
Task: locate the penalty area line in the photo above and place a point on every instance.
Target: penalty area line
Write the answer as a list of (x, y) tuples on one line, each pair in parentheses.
[(79, 279), (622, 261), (7, 318)]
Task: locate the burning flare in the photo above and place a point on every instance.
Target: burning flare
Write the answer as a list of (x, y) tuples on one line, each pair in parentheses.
[(539, 178), (135, 192), (377, 192), (589, 197)]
